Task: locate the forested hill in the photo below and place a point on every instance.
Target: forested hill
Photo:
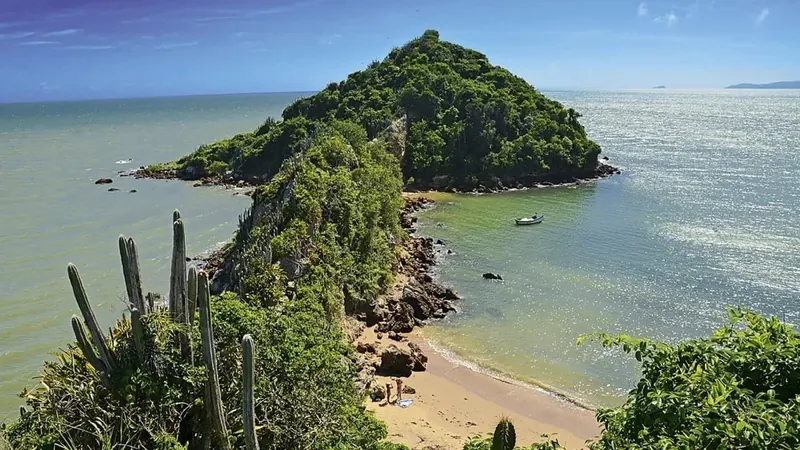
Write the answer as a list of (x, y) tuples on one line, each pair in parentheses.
[(467, 122)]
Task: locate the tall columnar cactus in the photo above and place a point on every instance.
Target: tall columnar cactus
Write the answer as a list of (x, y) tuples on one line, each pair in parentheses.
[(85, 345), (137, 330), (132, 273), (504, 437), (177, 281), (98, 337), (191, 292), (178, 298), (248, 401), (214, 396), (151, 301), (136, 275)]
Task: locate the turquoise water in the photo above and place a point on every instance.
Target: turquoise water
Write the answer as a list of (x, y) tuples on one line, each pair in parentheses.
[(704, 216), (53, 213)]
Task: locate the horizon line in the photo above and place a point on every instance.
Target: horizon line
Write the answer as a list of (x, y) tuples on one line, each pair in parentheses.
[(223, 94)]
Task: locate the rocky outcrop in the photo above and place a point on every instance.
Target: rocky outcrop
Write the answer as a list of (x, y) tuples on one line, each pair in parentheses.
[(418, 358), (396, 362)]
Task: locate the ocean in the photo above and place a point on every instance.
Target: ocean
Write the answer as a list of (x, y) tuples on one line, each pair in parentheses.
[(703, 216), (53, 213)]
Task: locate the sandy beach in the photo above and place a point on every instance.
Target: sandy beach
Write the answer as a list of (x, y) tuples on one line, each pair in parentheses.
[(452, 403)]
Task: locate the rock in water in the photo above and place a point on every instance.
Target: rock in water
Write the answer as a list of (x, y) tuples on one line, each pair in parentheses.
[(492, 276), (104, 181)]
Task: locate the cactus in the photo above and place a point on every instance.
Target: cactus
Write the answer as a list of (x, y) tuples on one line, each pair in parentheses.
[(248, 402), (151, 301), (138, 333), (191, 293), (177, 288), (98, 337), (504, 437), (213, 394), (136, 275), (84, 345), (131, 272), (177, 281)]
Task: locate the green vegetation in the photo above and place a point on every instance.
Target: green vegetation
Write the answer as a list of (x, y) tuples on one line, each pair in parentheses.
[(268, 367), (737, 389), (142, 386), (468, 123)]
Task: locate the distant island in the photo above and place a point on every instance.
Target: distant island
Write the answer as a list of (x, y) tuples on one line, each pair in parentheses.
[(660, 87), (775, 85)]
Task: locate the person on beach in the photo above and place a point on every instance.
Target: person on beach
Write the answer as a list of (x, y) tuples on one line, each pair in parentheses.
[(388, 392), (399, 388)]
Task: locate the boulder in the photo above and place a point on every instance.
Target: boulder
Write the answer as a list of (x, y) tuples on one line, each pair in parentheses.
[(378, 393), (492, 276), (365, 379), (400, 319), (104, 181), (408, 389), (366, 347), (414, 294), (113, 189), (420, 361), (132, 191), (397, 362)]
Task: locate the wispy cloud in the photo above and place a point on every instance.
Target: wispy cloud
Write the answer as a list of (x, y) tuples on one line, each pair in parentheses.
[(175, 45), (670, 18), (330, 40), (762, 16), (89, 47), (39, 43), (17, 35), (11, 24), (45, 86), (642, 11), (66, 32)]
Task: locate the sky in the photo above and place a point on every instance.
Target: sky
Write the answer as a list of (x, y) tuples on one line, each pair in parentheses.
[(79, 49)]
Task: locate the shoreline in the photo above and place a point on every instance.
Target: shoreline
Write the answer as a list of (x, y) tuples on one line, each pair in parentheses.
[(603, 170), (389, 339), (452, 402), (453, 399)]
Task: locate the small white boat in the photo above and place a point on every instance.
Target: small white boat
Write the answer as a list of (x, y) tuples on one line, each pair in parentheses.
[(529, 220)]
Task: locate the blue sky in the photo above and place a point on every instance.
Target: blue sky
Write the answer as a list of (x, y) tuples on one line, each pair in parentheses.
[(55, 49)]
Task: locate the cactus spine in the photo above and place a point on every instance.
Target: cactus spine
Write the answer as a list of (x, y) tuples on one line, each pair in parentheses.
[(248, 401), (98, 337), (504, 437), (213, 394)]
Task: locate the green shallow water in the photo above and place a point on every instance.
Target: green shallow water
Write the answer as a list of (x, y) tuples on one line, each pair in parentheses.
[(704, 216), (53, 214)]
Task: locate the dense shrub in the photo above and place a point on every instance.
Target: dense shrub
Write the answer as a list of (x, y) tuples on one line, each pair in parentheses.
[(737, 389)]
